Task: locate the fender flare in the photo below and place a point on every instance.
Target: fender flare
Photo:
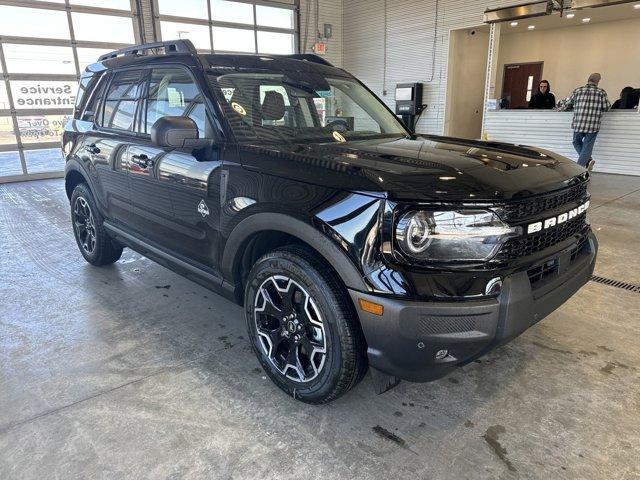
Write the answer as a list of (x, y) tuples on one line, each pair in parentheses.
[(279, 222)]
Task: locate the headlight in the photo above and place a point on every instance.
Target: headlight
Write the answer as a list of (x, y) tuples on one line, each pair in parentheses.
[(450, 236)]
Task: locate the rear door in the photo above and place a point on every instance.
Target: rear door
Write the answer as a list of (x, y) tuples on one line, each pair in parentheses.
[(107, 128)]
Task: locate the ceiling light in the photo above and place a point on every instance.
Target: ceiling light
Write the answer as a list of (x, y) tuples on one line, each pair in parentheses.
[(514, 24), (637, 6), (586, 20), (571, 15), (531, 27)]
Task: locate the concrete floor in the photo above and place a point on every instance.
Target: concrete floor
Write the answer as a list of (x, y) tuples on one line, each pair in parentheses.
[(131, 371)]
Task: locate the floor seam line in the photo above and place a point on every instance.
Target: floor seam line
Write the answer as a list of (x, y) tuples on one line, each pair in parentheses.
[(11, 426), (617, 198)]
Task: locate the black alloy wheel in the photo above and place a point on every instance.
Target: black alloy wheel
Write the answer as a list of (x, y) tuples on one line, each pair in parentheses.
[(303, 326)]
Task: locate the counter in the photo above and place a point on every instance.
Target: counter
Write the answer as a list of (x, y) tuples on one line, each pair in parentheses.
[(617, 148)]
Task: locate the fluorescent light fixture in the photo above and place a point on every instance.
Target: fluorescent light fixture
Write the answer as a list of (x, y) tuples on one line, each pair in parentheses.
[(571, 15), (514, 24), (637, 6), (531, 27), (586, 20)]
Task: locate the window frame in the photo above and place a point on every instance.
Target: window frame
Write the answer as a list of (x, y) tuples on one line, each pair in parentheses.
[(8, 76), (254, 27)]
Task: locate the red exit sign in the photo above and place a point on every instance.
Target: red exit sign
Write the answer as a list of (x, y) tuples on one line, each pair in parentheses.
[(320, 48)]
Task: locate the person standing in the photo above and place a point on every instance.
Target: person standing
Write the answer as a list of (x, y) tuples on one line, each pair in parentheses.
[(543, 99), (588, 102)]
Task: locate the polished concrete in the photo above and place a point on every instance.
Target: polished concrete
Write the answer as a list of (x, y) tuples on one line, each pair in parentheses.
[(131, 371)]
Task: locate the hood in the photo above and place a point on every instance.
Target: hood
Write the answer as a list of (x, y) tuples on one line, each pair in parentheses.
[(427, 168)]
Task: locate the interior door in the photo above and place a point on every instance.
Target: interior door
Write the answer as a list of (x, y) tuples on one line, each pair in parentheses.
[(520, 82)]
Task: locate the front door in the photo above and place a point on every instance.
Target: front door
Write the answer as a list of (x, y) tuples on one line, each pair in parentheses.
[(175, 193), (520, 83)]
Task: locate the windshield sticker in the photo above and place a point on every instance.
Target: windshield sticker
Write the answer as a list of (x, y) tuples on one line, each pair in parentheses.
[(338, 137), (228, 93), (324, 93), (238, 108)]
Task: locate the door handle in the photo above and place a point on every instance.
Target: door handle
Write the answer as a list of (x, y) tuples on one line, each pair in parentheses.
[(142, 160), (92, 149)]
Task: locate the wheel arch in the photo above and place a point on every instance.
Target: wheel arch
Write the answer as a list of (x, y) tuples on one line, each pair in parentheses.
[(260, 233)]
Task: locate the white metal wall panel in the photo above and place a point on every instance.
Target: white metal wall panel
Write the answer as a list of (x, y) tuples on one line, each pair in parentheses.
[(410, 44), (616, 149), (330, 11)]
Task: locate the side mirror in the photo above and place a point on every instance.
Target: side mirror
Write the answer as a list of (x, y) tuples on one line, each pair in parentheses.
[(175, 132)]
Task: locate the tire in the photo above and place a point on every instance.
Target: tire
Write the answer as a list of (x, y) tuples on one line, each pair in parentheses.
[(295, 302), (94, 243)]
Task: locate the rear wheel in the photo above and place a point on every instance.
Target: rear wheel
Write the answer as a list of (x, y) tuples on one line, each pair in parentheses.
[(93, 241), (302, 326)]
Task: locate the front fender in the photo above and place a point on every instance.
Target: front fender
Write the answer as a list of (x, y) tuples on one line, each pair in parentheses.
[(266, 221)]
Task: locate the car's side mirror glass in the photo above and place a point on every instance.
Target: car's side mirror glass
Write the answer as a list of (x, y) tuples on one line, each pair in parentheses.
[(177, 132)]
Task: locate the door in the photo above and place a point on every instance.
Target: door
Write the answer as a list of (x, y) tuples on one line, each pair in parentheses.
[(185, 183), (520, 82)]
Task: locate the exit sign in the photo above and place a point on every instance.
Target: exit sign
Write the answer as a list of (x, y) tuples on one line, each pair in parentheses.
[(320, 48)]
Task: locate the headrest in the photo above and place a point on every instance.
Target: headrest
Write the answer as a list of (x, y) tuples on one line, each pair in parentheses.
[(273, 106)]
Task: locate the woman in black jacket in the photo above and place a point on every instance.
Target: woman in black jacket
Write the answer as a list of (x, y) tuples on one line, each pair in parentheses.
[(543, 99), (628, 99)]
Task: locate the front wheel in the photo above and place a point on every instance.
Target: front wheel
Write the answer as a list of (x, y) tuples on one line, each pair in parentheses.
[(93, 241), (303, 327)]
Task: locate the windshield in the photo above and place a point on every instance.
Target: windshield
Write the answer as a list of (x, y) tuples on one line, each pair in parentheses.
[(289, 107)]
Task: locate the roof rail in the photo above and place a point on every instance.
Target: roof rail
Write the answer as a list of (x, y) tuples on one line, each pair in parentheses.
[(309, 57), (172, 46)]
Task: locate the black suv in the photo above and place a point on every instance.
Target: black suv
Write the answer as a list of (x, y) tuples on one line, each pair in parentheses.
[(286, 185)]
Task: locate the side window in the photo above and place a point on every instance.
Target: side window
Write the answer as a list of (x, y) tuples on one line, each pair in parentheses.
[(90, 112), (172, 92), (120, 102)]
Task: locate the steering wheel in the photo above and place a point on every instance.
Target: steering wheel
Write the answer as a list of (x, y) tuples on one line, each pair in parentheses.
[(338, 126)]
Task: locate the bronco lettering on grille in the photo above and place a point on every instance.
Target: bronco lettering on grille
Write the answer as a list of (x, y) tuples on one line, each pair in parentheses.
[(557, 220)]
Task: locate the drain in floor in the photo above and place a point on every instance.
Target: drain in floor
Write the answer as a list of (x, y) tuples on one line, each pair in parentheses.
[(616, 283)]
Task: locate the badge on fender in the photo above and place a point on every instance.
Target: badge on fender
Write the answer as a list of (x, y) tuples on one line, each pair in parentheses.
[(203, 209)]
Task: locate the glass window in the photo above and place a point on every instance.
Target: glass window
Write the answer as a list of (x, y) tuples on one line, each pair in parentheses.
[(90, 26), (274, 17), (121, 100), (172, 92), (236, 12), (198, 34), (30, 94), (184, 8), (4, 99), (233, 40), (115, 4), (33, 22), (271, 42), (38, 59), (46, 160), (41, 128), (10, 164), (87, 56), (7, 136)]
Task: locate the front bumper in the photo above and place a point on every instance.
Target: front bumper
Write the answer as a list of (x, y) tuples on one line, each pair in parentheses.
[(404, 340)]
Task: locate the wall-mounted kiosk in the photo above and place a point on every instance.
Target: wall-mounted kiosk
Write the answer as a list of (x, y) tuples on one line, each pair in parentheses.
[(409, 103)]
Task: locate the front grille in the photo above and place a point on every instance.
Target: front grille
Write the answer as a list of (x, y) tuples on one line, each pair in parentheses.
[(530, 244), (513, 212)]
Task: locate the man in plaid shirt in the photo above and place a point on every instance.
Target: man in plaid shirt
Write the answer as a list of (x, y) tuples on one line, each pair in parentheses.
[(588, 102)]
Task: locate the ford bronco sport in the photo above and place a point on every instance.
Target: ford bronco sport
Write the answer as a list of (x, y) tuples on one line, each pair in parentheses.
[(286, 185)]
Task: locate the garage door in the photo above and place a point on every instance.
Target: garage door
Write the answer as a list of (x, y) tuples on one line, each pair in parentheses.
[(43, 48), (226, 26)]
